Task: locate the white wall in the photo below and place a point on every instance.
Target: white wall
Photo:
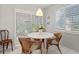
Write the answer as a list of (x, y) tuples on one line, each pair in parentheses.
[(0, 16), (70, 40), (7, 19)]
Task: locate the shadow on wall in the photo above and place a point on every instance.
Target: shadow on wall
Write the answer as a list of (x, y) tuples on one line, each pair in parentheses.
[(70, 40)]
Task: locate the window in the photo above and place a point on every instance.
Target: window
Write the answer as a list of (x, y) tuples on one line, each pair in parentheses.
[(68, 18), (26, 23)]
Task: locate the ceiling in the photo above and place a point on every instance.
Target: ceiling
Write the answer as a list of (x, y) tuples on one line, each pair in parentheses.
[(33, 5), (29, 5), (41, 5)]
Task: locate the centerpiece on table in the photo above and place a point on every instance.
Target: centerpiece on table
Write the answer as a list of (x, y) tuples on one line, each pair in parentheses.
[(41, 28)]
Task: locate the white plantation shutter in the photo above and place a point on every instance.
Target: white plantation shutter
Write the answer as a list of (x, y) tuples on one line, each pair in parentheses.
[(68, 18)]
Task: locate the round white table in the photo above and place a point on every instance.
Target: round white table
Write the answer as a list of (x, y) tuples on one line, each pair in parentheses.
[(41, 35)]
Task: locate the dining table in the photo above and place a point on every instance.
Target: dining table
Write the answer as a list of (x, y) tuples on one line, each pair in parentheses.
[(41, 35)]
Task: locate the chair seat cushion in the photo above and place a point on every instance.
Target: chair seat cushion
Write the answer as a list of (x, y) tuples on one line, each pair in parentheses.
[(34, 47), (54, 42), (6, 41)]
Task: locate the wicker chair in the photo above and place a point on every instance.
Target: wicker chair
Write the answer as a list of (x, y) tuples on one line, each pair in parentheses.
[(55, 41), (27, 45), (4, 39)]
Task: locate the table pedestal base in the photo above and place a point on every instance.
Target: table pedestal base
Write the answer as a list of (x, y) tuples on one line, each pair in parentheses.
[(44, 47)]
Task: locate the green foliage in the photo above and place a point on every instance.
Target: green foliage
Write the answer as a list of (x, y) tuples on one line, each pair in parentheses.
[(38, 27), (41, 26)]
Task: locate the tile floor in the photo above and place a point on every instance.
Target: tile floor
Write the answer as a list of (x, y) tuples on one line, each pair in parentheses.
[(52, 50)]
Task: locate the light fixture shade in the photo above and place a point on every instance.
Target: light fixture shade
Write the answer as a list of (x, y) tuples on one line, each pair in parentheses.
[(39, 12)]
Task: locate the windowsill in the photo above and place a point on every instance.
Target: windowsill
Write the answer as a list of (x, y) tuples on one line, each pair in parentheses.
[(71, 32)]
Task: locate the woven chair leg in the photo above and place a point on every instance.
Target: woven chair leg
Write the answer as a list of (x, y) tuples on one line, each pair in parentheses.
[(59, 48), (12, 45), (7, 46), (3, 48)]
